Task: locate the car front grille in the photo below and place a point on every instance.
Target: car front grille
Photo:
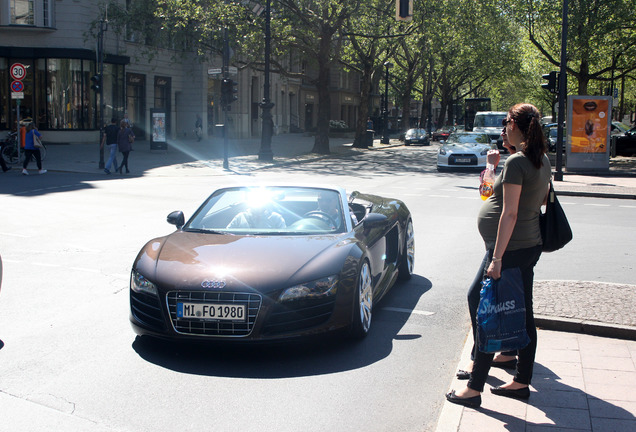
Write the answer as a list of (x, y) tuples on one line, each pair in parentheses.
[(462, 159), (200, 327), (147, 310), (299, 315)]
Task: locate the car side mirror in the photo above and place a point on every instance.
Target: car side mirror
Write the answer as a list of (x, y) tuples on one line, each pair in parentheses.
[(176, 218), (374, 220)]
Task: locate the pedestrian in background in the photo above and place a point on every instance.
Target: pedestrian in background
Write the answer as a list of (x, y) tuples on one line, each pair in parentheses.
[(198, 127), (509, 225), (110, 138), (3, 164), (125, 138), (30, 150)]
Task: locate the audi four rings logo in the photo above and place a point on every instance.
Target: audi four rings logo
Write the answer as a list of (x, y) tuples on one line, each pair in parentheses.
[(218, 284)]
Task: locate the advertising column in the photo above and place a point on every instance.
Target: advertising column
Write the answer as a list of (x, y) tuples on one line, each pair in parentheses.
[(588, 133), (158, 139)]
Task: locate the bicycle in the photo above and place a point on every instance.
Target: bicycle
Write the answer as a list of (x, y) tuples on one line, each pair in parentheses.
[(10, 150)]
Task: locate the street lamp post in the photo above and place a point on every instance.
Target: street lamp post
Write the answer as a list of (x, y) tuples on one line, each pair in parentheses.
[(385, 135), (563, 93), (265, 152), (103, 26)]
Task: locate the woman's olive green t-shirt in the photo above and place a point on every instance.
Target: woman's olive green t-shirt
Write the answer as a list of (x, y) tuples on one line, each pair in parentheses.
[(534, 185)]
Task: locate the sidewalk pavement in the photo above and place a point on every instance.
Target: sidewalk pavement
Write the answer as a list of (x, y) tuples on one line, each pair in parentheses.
[(585, 371)]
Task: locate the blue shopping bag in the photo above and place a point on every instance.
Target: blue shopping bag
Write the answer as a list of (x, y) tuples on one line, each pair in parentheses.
[(501, 316)]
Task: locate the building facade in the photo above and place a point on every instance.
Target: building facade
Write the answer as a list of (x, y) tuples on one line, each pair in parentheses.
[(56, 42)]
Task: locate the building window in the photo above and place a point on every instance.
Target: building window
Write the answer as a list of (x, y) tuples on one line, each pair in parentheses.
[(136, 103), (22, 12), (46, 11), (37, 13), (163, 91)]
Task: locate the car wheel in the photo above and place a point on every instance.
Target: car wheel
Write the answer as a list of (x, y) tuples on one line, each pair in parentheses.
[(407, 143), (363, 303), (407, 260)]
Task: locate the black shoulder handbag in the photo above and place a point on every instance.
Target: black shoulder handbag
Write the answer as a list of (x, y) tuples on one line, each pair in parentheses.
[(555, 228)]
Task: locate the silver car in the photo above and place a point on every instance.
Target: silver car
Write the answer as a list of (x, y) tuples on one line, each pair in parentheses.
[(464, 150)]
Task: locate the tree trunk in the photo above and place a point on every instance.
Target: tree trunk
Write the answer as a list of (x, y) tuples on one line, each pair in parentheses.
[(584, 77), (321, 142), (361, 125)]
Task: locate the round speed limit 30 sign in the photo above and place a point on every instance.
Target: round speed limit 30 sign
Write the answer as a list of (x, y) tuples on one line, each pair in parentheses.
[(18, 71)]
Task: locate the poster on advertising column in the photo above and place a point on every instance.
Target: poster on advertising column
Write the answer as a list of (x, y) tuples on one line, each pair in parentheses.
[(158, 141), (588, 133)]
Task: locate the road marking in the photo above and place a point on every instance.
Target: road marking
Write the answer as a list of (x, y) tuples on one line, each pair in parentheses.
[(409, 311), (439, 196), (597, 205), (84, 249), (84, 269), (626, 206), (14, 235)]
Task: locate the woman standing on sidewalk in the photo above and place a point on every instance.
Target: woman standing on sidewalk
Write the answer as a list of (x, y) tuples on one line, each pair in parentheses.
[(508, 359), (509, 225), (125, 138), (30, 150)]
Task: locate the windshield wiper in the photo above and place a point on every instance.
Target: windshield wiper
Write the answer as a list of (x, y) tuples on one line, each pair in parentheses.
[(203, 231)]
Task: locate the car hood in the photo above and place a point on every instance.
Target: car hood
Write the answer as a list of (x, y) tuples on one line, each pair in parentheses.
[(467, 147), (260, 263)]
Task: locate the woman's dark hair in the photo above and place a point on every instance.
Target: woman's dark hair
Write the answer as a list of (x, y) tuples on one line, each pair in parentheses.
[(528, 118)]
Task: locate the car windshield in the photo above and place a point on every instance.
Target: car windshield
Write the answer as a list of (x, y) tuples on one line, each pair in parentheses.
[(489, 120), (622, 127), (270, 211), (468, 138), (415, 132)]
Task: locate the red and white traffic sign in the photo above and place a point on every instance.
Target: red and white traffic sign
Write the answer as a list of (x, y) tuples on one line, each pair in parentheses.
[(17, 86), (18, 71)]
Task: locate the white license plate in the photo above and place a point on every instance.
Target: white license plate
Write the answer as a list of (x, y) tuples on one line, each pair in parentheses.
[(462, 160), (208, 311)]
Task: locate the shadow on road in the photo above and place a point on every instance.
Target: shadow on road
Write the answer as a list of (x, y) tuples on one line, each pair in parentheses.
[(325, 355)]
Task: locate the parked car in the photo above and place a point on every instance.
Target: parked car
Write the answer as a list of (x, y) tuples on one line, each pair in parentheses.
[(416, 136), (300, 261), (551, 132), (464, 150), (442, 133), (626, 143)]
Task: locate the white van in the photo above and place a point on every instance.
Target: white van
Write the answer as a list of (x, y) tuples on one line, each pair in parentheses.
[(490, 122)]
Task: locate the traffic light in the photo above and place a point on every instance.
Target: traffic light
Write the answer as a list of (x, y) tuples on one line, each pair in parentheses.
[(97, 82), (404, 10), (552, 85), (228, 91)]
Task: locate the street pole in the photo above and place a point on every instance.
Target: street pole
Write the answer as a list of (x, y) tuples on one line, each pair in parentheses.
[(100, 54), (385, 135), (563, 92), (265, 153), (226, 105)]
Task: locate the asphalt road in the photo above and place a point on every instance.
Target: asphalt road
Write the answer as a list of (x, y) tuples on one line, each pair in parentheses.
[(72, 363)]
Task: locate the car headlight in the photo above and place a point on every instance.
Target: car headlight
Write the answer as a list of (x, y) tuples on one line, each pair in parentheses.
[(140, 284), (442, 151), (319, 288), (484, 152)]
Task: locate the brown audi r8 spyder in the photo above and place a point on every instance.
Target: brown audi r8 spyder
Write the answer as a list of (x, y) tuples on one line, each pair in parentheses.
[(265, 263)]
